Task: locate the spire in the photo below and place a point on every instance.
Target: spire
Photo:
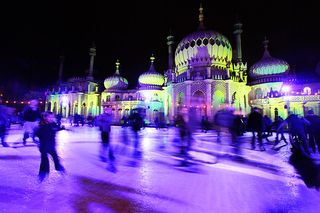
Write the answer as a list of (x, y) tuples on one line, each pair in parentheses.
[(201, 18), (117, 67), (237, 32), (266, 53), (170, 42), (92, 53), (152, 58), (61, 68)]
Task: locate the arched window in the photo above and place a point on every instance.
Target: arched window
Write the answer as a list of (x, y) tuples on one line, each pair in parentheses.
[(180, 98), (218, 98), (54, 107), (258, 93), (307, 90), (276, 112), (49, 106), (108, 98), (198, 98)]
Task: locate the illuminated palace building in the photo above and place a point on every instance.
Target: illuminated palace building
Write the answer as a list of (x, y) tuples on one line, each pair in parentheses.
[(205, 76)]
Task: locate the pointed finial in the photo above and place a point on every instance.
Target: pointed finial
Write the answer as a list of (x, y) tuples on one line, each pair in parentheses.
[(117, 67), (201, 17), (152, 58), (265, 44), (92, 49), (61, 67)]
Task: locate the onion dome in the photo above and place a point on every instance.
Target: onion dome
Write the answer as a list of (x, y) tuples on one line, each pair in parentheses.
[(116, 81), (151, 78), (203, 48), (268, 66)]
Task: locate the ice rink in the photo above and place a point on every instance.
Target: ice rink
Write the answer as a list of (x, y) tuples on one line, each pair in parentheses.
[(216, 178)]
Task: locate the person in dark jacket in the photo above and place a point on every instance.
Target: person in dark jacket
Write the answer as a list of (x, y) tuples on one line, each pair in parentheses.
[(297, 129), (31, 117), (47, 138), (278, 120), (313, 130), (3, 125), (136, 122), (104, 122), (255, 124)]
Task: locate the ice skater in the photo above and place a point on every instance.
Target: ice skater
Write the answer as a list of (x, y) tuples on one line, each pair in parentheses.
[(3, 125), (47, 134), (137, 123), (31, 116), (104, 122)]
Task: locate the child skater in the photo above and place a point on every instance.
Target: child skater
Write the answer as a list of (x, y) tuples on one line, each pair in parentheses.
[(46, 134)]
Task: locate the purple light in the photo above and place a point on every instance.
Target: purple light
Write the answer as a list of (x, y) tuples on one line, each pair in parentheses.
[(286, 88)]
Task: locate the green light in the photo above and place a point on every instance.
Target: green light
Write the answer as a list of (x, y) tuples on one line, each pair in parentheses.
[(218, 99), (271, 69)]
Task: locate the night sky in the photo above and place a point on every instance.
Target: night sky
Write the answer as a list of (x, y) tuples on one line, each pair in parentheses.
[(34, 34)]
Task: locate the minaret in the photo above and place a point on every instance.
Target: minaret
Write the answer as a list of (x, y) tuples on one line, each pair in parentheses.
[(170, 42), (237, 32), (61, 68), (92, 53), (201, 18)]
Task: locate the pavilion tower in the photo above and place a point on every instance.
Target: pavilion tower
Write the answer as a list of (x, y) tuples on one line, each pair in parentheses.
[(92, 53)]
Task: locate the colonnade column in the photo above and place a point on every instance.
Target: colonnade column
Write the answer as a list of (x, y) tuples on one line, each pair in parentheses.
[(79, 104), (227, 92), (209, 97), (188, 93), (174, 102)]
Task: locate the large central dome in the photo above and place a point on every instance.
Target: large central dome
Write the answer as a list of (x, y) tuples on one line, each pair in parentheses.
[(203, 48)]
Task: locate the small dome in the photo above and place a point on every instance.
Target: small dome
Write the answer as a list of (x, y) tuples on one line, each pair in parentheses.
[(116, 81), (151, 78), (268, 65)]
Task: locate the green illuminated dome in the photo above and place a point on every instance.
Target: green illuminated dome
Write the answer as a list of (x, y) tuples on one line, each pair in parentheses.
[(268, 65), (151, 78), (203, 48), (116, 81)]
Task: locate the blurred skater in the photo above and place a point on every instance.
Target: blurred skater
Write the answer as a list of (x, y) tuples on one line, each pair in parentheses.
[(31, 116), (255, 124), (47, 138), (3, 125), (104, 122), (136, 122)]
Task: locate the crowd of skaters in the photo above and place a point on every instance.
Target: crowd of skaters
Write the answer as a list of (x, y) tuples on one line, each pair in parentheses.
[(42, 127), (304, 132)]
